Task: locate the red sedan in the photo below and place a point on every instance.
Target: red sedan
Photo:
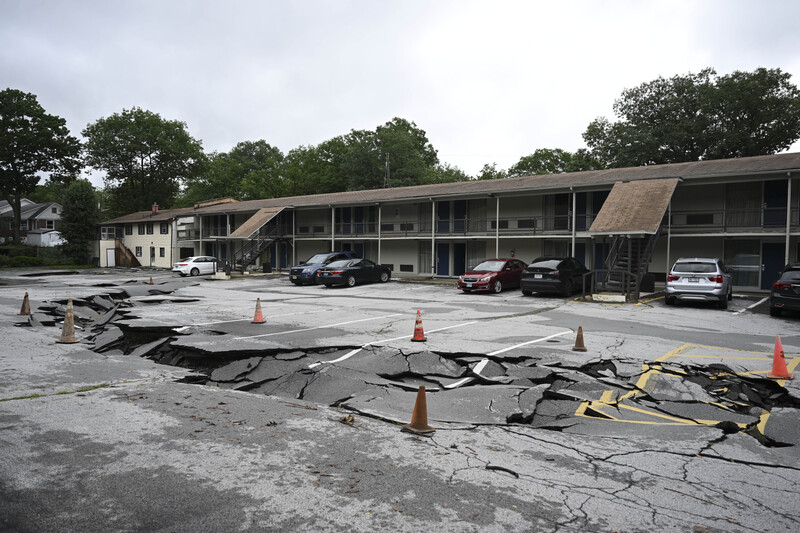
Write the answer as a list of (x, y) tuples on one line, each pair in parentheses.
[(492, 275)]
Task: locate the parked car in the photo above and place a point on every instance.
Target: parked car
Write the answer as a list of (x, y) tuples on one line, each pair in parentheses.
[(352, 271), (785, 294), (306, 272), (194, 266), (563, 275), (699, 279), (492, 275)]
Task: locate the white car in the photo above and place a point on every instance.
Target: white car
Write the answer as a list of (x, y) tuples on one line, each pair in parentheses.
[(194, 266)]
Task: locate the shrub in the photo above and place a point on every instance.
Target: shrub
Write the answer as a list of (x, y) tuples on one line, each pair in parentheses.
[(24, 261)]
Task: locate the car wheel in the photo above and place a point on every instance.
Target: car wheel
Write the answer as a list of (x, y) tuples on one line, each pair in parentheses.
[(497, 287), (566, 289), (351, 281), (669, 301), (384, 277), (526, 293), (194, 272), (723, 303), (315, 279), (730, 295), (774, 311)]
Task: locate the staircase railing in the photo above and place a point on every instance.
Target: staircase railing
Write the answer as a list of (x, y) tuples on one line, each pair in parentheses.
[(258, 241)]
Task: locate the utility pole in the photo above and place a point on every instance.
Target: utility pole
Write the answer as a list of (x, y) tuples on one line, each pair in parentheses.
[(388, 182)]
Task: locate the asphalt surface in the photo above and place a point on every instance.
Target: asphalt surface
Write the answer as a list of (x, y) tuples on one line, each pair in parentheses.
[(665, 423)]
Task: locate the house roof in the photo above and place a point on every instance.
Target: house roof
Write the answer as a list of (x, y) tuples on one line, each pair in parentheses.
[(767, 165), (255, 222)]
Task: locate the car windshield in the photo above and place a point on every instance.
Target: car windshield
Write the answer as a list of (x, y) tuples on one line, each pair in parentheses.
[(319, 258), (695, 267), (489, 266), (339, 264), (550, 263)]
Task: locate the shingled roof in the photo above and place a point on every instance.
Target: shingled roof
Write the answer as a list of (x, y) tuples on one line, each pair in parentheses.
[(777, 165)]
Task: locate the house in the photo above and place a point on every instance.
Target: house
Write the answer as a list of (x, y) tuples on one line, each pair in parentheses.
[(628, 224), (33, 216)]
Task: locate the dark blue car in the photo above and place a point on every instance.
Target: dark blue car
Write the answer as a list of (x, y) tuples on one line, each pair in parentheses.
[(306, 272)]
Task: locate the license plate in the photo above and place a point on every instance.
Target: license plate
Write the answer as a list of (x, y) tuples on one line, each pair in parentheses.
[(693, 280), (294, 277), (469, 285), (537, 276)]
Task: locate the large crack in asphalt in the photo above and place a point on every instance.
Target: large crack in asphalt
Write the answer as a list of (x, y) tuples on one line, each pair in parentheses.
[(542, 388)]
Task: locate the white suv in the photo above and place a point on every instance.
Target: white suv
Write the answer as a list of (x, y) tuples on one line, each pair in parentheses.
[(699, 279)]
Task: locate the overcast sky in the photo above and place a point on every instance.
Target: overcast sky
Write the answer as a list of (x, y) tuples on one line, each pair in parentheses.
[(489, 81)]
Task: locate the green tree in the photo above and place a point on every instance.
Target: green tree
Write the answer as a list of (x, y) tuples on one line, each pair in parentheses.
[(410, 155), (491, 172), (553, 161), (145, 158), (79, 220), (699, 116), (32, 142), (445, 173)]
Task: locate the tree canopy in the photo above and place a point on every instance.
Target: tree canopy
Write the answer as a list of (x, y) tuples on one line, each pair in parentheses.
[(32, 142), (699, 116), (145, 158), (79, 219)]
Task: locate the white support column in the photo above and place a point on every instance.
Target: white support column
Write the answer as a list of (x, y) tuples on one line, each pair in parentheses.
[(788, 217), (574, 205), (669, 238), (433, 237), (294, 236), (380, 214), (333, 228), (497, 228), (200, 236)]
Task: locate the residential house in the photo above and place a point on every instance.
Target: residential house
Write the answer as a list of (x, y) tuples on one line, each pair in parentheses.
[(43, 216)]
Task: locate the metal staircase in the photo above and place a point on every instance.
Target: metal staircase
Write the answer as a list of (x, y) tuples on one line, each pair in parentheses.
[(258, 241), (627, 263)]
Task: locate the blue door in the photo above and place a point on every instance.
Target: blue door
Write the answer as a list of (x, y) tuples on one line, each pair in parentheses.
[(443, 259), (459, 258), (771, 263)]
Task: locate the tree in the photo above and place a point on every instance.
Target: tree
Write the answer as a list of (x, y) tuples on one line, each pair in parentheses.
[(31, 142), (553, 161), (699, 116), (491, 172), (79, 220), (145, 158)]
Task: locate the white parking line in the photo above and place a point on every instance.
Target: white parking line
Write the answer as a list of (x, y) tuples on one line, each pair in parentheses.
[(318, 327), (483, 362), (353, 352), (761, 301)]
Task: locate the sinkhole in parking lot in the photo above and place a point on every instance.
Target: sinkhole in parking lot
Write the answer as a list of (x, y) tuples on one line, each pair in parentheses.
[(549, 387)]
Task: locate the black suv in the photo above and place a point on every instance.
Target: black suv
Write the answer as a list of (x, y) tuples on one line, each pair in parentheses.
[(785, 294), (306, 272)]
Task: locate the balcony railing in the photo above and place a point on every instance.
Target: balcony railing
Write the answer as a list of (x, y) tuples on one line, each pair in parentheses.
[(764, 219)]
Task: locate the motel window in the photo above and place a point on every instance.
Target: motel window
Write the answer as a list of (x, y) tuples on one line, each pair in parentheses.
[(128, 229), (138, 251), (141, 229), (149, 228), (161, 252), (164, 229)]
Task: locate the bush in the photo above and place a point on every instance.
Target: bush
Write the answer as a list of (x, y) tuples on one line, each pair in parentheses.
[(24, 261), (15, 250)]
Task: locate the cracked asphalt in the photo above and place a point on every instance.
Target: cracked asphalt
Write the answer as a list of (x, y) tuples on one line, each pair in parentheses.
[(176, 413)]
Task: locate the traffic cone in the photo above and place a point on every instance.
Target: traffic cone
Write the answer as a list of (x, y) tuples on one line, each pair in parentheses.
[(779, 370), (26, 306), (68, 333), (579, 346), (419, 419), (151, 280), (419, 335), (258, 318)]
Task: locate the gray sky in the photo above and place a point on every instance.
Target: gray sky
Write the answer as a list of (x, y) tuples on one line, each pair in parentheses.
[(489, 81)]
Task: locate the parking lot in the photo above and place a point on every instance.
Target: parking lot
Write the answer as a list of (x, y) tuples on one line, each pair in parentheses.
[(665, 421)]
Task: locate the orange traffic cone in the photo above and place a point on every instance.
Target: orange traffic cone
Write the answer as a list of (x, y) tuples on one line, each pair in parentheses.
[(26, 306), (779, 370), (579, 346), (151, 280), (68, 332), (419, 335), (419, 419), (258, 318)]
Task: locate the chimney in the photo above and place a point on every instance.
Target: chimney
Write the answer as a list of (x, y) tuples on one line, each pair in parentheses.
[(155, 209)]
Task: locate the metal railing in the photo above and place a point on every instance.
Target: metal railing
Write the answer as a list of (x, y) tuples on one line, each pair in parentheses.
[(767, 218)]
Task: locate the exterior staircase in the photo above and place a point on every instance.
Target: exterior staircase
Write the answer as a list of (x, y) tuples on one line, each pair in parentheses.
[(627, 263), (257, 242)]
